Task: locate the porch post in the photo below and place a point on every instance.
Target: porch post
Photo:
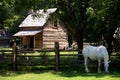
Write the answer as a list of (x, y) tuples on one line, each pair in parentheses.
[(34, 42)]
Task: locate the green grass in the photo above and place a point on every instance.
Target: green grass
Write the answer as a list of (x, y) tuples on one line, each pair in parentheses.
[(66, 73), (50, 75), (5, 48)]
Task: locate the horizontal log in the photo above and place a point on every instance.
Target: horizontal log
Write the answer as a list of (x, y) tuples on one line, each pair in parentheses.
[(70, 54), (35, 64), (54, 40), (6, 51), (36, 55), (54, 35)]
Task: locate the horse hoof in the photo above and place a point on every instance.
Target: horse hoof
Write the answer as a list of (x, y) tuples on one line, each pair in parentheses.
[(87, 71), (99, 71)]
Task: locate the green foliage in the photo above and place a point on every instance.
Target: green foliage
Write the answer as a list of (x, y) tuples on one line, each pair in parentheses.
[(100, 19), (6, 11), (12, 12)]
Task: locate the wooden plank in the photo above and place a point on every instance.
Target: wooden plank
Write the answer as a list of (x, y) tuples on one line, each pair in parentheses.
[(6, 51), (54, 34), (55, 37), (35, 55), (53, 40), (51, 43), (57, 55), (71, 54), (35, 64)]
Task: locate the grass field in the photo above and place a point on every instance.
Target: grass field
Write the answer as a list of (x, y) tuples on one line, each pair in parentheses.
[(69, 72), (66, 73)]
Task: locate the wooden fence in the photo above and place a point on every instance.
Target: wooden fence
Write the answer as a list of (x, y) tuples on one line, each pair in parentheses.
[(15, 58), (19, 58)]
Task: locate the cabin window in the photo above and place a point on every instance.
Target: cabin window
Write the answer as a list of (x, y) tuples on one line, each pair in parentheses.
[(55, 25)]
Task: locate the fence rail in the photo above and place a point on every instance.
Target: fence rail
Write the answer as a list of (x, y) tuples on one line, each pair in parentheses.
[(16, 58)]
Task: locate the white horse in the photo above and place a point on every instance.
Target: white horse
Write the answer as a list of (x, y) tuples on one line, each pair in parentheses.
[(96, 53)]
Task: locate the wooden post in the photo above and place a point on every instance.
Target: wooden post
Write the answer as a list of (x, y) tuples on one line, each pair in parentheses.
[(3, 55), (14, 66), (57, 56)]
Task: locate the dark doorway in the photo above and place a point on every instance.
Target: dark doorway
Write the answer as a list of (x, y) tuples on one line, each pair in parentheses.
[(31, 42)]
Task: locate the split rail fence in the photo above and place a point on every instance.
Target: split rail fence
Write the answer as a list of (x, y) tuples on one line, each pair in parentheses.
[(13, 58)]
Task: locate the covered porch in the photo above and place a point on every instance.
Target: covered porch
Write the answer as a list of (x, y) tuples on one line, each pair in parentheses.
[(30, 39)]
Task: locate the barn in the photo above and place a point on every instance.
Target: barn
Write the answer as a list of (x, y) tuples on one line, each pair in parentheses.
[(39, 30), (5, 38)]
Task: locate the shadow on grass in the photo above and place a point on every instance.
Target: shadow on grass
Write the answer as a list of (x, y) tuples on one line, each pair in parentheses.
[(79, 71), (65, 71)]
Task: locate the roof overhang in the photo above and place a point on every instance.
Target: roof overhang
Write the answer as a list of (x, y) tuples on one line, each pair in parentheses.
[(26, 33)]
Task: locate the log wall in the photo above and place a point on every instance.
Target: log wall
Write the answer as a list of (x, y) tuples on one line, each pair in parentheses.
[(52, 34)]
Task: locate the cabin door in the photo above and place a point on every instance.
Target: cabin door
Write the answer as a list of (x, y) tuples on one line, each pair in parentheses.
[(31, 42)]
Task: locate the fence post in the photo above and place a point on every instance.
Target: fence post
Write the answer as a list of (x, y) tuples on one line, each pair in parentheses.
[(14, 66), (3, 55), (57, 56)]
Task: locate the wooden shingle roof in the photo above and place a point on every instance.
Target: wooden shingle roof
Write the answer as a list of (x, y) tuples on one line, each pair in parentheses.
[(37, 19), (27, 33)]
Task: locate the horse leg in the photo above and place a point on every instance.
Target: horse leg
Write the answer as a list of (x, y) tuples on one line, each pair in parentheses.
[(106, 67), (99, 64), (85, 64)]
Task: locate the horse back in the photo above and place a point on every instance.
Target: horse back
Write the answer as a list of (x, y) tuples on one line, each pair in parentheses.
[(95, 53)]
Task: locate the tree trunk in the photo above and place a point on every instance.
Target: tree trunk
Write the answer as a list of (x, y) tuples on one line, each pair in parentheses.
[(79, 39), (81, 24), (109, 42), (70, 40), (109, 37)]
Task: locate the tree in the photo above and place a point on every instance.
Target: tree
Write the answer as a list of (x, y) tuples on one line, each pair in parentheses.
[(12, 12), (91, 19), (112, 22), (73, 13), (103, 19), (6, 8)]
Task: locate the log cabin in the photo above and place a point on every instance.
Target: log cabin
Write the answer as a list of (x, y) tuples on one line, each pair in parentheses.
[(40, 30)]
